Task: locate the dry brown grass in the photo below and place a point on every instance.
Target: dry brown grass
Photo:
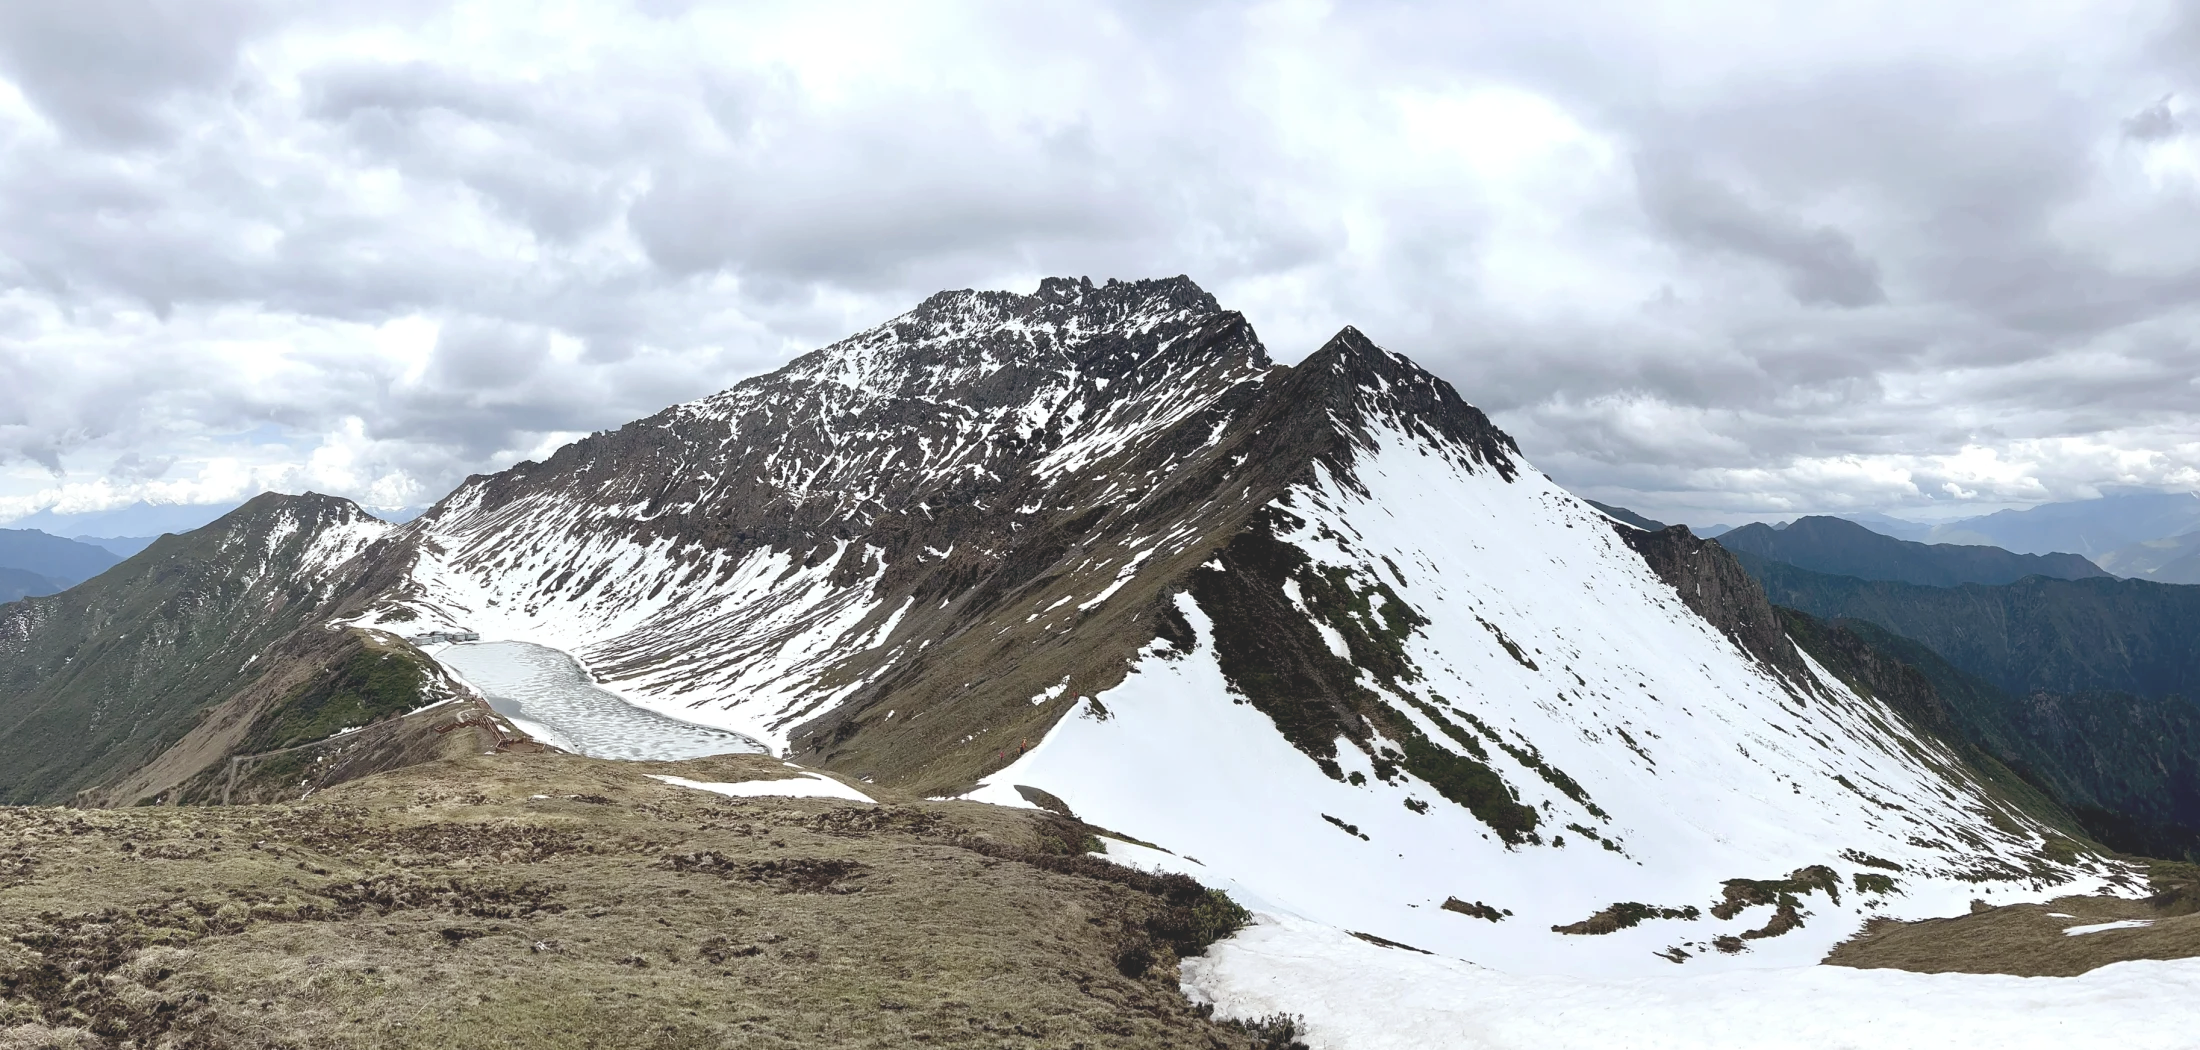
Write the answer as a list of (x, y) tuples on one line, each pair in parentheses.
[(2028, 940), (445, 906)]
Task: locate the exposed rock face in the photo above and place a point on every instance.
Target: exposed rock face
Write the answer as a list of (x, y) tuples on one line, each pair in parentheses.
[(1716, 587), (913, 521), (789, 548)]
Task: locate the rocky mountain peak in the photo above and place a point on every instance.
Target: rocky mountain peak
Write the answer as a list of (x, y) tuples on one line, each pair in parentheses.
[(1362, 388), (993, 347)]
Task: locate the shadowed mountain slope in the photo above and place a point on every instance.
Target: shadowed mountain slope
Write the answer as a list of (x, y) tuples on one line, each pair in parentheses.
[(2175, 559), (2037, 634), (2084, 687), (21, 583)]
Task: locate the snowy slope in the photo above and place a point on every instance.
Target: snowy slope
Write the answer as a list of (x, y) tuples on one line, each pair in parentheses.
[(1702, 764), (1358, 995)]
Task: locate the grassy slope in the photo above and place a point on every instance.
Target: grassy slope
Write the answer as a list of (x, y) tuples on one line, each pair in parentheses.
[(556, 901), (2028, 939), (97, 681)]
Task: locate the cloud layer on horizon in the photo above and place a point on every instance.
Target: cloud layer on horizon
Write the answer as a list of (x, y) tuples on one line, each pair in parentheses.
[(1711, 261)]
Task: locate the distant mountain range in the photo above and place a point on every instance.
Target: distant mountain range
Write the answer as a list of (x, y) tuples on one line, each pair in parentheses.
[(22, 583), (2081, 683), (1845, 548), (137, 519), (2149, 535), (2087, 687), (2088, 527), (2172, 559), (34, 563)]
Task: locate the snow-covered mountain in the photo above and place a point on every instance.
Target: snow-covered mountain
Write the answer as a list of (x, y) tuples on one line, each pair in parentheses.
[(1316, 632)]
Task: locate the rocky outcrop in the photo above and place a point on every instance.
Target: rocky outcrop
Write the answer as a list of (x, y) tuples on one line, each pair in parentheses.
[(1715, 586)]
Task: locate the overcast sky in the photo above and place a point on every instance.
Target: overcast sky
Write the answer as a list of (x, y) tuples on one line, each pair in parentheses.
[(1711, 260)]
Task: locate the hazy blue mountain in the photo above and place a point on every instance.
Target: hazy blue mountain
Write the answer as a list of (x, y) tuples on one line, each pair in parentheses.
[(52, 557), (2085, 687), (2172, 559), (22, 583), (2087, 527), (1845, 548), (2037, 634), (122, 546), (1899, 528), (137, 519)]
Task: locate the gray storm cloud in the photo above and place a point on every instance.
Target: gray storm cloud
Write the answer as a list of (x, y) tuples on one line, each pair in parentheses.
[(1708, 260)]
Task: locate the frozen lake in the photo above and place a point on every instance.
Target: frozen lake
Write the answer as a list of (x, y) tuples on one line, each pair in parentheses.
[(548, 696)]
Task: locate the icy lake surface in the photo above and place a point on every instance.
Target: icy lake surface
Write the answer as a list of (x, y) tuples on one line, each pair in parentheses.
[(548, 695)]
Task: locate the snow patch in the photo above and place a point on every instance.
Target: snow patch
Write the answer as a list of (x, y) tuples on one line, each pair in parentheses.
[(2120, 924), (808, 785)]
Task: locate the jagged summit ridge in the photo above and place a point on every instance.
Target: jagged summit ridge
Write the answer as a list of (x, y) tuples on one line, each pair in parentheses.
[(916, 462), (1379, 388)]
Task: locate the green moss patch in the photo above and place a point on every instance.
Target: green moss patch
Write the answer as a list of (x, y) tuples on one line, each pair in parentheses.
[(1873, 882), (365, 687), (1473, 785), (1869, 861), (1784, 895)]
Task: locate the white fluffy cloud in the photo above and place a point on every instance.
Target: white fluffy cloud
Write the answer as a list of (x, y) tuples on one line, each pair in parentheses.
[(1711, 260)]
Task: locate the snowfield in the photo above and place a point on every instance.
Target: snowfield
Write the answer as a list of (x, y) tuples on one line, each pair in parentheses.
[(1359, 995), (1706, 766)]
